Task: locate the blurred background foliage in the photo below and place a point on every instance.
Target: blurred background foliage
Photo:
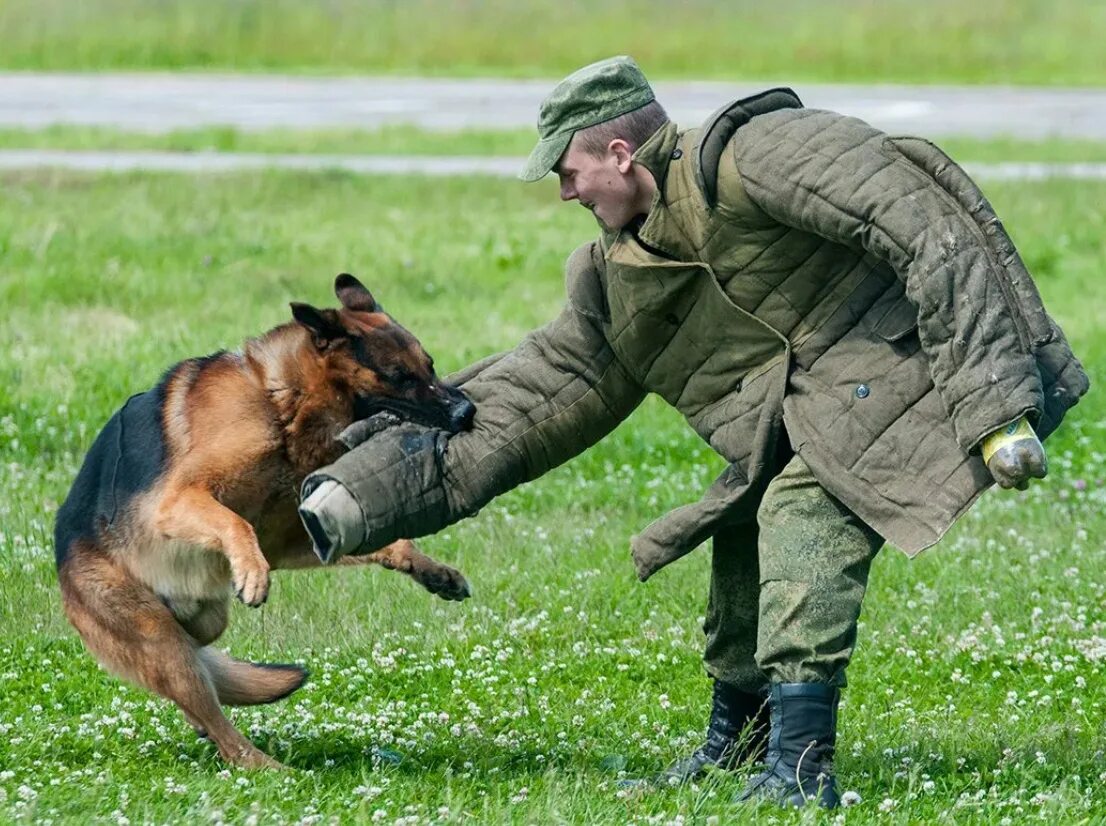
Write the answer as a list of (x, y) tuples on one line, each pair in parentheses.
[(939, 41)]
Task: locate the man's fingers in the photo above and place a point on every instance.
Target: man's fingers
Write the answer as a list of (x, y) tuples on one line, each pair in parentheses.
[(1031, 462), (1004, 467), (1002, 475), (1038, 462), (1015, 464)]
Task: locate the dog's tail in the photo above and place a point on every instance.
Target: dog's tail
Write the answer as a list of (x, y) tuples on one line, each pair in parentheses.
[(241, 683)]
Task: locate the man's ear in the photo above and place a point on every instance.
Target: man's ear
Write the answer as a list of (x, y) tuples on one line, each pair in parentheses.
[(354, 295), (323, 324), (623, 154)]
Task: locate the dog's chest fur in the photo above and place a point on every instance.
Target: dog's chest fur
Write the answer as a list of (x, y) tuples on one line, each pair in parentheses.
[(182, 573), (178, 571)]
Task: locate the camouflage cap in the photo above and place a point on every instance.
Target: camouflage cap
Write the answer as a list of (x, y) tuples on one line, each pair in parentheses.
[(594, 94)]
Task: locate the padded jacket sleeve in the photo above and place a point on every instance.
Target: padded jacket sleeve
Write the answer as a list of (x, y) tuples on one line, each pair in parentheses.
[(551, 397)]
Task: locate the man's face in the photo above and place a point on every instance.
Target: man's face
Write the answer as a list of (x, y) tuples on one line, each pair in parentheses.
[(605, 185)]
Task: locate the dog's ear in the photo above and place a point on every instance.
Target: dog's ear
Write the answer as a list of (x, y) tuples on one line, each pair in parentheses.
[(323, 324), (354, 296)]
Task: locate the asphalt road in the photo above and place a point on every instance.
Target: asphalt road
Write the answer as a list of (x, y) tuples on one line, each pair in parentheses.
[(163, 102)]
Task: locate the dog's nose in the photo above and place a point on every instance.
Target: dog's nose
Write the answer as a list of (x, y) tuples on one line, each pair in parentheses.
[(461, 415)]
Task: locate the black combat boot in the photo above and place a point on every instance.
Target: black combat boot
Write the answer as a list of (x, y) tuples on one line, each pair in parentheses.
[(798, 768), (737, 732)]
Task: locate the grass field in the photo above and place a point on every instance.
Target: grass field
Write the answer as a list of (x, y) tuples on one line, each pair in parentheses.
[(411, 140), (388, 140), (942, 41), (977, 695)]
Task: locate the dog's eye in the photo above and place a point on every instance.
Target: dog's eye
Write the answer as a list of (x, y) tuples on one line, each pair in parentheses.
[(401, 378)]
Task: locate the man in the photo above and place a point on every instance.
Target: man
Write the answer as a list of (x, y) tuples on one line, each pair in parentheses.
[(838, 313)]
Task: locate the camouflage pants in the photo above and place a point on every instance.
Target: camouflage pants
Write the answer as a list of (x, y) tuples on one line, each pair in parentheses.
[(785, 590)]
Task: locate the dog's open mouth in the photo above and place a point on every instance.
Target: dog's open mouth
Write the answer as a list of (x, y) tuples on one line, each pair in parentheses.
[(366, 406), (454, 418)]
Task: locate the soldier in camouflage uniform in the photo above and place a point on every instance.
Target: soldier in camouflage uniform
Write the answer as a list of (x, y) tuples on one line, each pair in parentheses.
[(838, 313)]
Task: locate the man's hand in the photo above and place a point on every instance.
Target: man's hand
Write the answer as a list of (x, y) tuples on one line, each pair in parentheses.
[(1014, 455)]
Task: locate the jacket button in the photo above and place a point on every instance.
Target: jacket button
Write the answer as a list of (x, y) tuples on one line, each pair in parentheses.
[(677, 154), (862, 391)]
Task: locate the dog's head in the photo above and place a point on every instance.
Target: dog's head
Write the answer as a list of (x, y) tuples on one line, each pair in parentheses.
[(378, 364)]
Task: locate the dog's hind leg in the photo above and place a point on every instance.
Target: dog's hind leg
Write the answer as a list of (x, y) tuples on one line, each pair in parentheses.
[(403, 556), (207, 621), (236, 683), (133, 634)]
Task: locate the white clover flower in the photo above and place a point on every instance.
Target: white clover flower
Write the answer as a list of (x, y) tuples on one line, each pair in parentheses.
[(887, 805), (850, 798)]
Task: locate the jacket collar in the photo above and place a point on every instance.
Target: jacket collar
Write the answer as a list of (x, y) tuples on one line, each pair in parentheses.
[(656, 153), (660, 232)]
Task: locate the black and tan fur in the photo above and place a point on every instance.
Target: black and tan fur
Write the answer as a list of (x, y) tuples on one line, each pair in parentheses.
[(189, 495)]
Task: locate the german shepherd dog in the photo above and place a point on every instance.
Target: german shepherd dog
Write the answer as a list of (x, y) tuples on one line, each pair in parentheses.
[(189, 493)]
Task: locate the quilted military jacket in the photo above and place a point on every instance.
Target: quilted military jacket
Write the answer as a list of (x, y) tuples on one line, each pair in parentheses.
[(797, 268)]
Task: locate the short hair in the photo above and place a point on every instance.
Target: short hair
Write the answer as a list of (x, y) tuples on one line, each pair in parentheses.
[(635, 127)]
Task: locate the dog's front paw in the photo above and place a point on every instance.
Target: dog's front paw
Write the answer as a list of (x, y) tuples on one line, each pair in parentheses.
[(251, 582), (446, 582)]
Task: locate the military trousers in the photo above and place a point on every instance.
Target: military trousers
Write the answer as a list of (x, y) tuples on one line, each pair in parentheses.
[(786, 589)]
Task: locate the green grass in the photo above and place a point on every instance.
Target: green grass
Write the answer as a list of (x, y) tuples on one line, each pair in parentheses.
[(977, 692), (411, 140), (988, 41), (387, 140), (1008, 149)]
